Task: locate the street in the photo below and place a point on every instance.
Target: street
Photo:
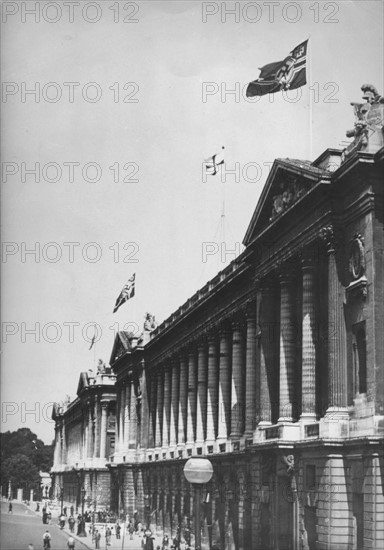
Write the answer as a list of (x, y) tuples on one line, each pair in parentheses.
[(22, 527)]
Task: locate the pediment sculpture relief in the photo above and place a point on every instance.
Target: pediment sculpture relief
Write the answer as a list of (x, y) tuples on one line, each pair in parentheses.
[(290, 192)]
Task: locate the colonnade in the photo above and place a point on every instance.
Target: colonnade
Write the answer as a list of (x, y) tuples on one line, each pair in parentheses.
[(127, 426), (95, 428), (257, 368)]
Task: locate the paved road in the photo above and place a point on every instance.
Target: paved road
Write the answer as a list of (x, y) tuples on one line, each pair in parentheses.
[(23, 526)]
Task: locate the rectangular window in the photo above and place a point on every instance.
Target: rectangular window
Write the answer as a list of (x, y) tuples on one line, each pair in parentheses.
[(310, 477)]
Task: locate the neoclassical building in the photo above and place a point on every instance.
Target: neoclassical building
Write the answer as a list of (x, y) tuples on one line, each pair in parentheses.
[(274, 371), (84, 439)]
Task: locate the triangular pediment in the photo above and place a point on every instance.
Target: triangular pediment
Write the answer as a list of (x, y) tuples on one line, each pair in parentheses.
[(121, 346), (288, 181)]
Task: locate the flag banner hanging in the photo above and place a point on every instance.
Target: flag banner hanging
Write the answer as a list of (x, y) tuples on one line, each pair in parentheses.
[(288, 74), (92, 342), (212, 163), (127, 292)]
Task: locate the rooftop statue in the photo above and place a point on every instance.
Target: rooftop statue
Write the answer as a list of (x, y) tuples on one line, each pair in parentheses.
[(149, 323), (369, 121), (101, 367)]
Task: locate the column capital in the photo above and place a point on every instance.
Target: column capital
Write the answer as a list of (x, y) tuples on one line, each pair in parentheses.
[(287, 275), (329, 234), (192, 349), (235, 325), (249, 309), (202, 341), (212, 336), (269, 284), (307, 259), (224, 327)]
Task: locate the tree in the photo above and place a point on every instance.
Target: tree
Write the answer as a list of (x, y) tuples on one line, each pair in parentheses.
[(36, 456), (20, 471)]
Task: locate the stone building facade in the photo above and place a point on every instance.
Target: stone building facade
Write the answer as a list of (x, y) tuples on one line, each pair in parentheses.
[(84, 439), (274, 370)]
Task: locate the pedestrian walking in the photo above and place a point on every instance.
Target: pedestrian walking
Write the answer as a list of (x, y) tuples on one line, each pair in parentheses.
[(148, 540), (71, 543), (118, 529), (47, 540), (62, 521), (97, 538), (10, 508), (71, 523), (108, 534)]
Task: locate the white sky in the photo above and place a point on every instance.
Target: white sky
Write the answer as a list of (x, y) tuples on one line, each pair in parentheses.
[(169, 53)]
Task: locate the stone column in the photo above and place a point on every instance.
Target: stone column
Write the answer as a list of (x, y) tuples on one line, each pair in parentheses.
[(237, 397), (126, 416), (192, 391), (121, 419), (268, 343), (96, 447), (132, 445), (308, 384), (224, 416), (288, 336), (159, 408), (337, 360), (183, 400), (201, 411), (145, 421), (86, 434), (117, 435), (174, 404), (213, 387), (57, 445), (250, 370), (103, 430), (90, 431), (152, 410), (64, 445), (167, 405)]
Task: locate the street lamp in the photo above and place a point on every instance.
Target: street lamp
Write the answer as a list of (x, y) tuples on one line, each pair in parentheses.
[(61, 499), (147, 510), (82, 532), (198, 471)]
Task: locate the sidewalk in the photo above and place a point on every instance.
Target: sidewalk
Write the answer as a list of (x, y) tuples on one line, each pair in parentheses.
[(124, 543)]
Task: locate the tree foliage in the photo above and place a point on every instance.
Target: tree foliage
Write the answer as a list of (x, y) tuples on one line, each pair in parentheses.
[(23, 455)]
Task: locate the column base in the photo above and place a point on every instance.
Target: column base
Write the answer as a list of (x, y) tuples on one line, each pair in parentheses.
[(285, 431), (259, 433), (335, 423), (222, 445), (199, 447), (172, 451), (209, 446), (309, 425), (149, 454), (180, 450), (189, 448)]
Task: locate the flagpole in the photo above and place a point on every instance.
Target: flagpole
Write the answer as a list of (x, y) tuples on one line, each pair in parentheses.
[(309, 50), (94, 351)]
